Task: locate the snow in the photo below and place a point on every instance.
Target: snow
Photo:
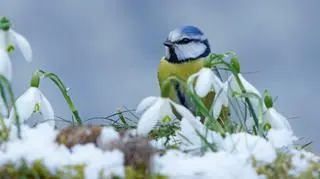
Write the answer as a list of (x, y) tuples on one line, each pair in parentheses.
[(212, 165), (231, 160), (38, 144)]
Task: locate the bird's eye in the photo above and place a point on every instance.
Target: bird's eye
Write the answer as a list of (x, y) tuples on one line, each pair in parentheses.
[(184, 41)]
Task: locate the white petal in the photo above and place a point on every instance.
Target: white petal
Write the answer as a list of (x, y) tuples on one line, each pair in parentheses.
[(25, 104), (249, 87), (276, 120), (204, 82), (184, 112), (23, 45), (188, 133), (216, 83), (3, 39), (217, 108), (46, 110), (235, 86), (5, 65), (149, 118), (166, 109), (221, 99), (146, 103)]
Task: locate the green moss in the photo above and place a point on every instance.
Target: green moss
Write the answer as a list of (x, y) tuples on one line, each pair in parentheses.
[(283, 164), (134, 174), (39, 171)]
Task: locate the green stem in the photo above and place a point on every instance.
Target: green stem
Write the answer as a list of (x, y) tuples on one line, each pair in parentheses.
[(6, 83), (53, 77)]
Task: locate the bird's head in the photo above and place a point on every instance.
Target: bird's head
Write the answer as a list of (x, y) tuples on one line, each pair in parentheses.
[(185, 44)]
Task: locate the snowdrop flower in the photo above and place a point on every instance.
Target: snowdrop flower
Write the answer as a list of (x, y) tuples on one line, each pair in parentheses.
[(233, 86), (155, 109), (206, 82), (276, 120), (33, 100), (8, 37)]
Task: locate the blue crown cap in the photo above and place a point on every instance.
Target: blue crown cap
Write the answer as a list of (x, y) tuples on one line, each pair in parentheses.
[(191, 30)]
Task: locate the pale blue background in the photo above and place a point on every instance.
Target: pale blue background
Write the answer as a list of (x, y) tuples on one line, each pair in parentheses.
[(107, 52)]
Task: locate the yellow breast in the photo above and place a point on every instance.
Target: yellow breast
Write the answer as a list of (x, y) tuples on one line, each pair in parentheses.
[(180, 70)]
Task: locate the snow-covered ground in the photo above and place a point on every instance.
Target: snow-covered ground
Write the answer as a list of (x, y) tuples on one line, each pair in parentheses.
[(232, 159)]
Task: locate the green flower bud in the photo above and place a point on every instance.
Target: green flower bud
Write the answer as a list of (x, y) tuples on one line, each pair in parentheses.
[(5, 24), (35, 80), (235, 64), (268, 102)]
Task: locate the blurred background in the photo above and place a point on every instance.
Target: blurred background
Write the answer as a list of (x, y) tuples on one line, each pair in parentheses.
[(107, 51)]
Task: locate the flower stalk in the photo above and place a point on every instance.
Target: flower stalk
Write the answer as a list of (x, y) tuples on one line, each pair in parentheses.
[(54, 78)]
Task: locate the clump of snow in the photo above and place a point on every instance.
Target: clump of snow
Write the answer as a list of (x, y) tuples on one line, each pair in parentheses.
[(96, 160), (281, 138), (39, 144), (212, 165), (232, 158), (107, 135), (246, 145)]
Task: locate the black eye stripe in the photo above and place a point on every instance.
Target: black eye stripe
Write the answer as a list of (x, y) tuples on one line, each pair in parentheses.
[(186, 40)]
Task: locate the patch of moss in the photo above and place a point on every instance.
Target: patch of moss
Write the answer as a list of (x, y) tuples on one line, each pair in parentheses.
[(39, 171), (281, 167), (134, 174)]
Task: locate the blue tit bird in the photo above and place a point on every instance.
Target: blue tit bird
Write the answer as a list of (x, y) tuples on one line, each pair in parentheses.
[(185, 51)]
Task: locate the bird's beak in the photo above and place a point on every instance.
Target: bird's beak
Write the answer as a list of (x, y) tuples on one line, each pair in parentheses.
[(167, 43)]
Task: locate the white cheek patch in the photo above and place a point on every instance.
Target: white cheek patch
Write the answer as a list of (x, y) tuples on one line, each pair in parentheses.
[(190, 50)]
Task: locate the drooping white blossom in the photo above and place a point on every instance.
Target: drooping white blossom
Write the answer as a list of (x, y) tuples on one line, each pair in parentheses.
[(32, 100), (207, 81), (11, 38), (277, 120), (233, 86), (155, 109)]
